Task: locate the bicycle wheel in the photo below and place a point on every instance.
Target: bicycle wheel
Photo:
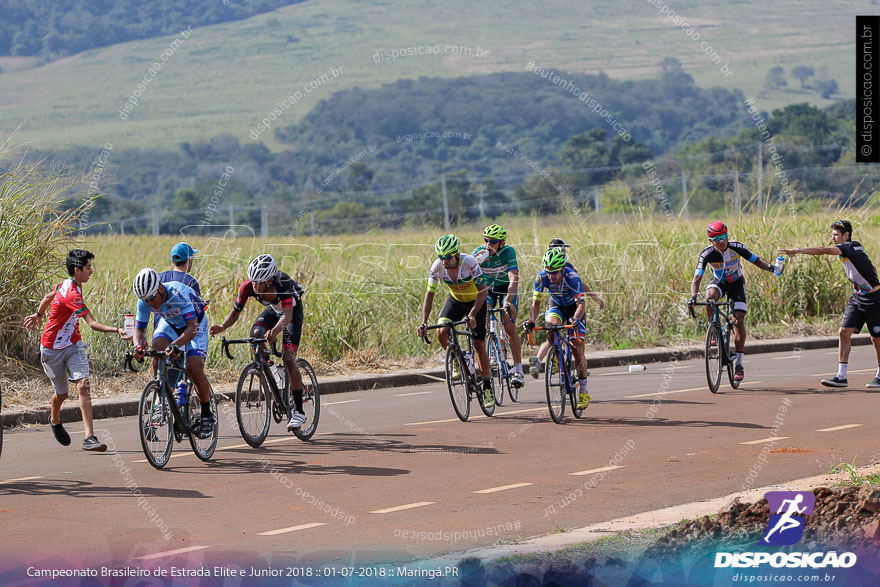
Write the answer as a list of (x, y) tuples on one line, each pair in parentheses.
[(576, 390), (714, 357), (731, 361), (488, 411), (154, 425), (203, 447), (497, 369), (311, 401), (458, 385), (555, 384), (253, 403)]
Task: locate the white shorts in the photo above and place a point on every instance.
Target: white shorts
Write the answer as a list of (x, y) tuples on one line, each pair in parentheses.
[(58, 362)]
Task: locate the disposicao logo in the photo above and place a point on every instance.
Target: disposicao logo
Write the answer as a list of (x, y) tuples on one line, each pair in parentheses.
[(786, 527)]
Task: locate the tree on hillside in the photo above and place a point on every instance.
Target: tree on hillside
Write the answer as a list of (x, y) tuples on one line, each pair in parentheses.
[(827, 88), (670, 66), (775, 78), (802, 72)]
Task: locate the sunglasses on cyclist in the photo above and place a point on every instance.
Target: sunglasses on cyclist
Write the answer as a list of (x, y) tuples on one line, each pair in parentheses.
[(151, 298), (445, 257), (719, 238), (492, 241)]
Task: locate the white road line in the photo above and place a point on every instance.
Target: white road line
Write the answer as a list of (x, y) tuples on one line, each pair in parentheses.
[(170, 553), (22, 479), (83, 431), (408, 506), (502, 488), (476, 417), (599, 470), (836, 428), (348, 401), (413, 393), (786, 357), (681, 390), (292, 529), (763, 440), (690, 454), (828, 374)]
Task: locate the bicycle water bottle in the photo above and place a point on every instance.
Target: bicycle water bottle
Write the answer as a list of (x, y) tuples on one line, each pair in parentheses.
[(780, 263), (469, 359), (180, 393), (280, 373)]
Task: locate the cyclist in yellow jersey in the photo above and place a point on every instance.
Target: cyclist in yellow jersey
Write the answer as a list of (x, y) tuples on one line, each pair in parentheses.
[(467, 297)]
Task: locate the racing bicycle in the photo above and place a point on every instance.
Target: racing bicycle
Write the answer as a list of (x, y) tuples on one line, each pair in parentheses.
[(561, 373), (461, 373), (498, 347), (161, 421), (719, 353), (264, 389)]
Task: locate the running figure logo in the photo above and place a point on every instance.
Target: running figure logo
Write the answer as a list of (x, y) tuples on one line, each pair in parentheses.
[(786, 526)]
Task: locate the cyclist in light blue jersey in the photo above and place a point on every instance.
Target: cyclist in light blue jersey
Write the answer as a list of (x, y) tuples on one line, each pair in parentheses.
[(177, 312)]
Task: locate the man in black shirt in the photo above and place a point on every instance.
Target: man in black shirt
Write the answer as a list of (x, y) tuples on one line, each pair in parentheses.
[(864, 304)]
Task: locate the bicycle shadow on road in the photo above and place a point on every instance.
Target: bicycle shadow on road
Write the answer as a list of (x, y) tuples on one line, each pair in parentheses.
[(74, 488)]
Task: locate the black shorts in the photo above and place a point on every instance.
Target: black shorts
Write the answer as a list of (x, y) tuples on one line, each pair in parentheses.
[(735, 292), (292, 333), (454, 310), (498, 293), (863, 309)]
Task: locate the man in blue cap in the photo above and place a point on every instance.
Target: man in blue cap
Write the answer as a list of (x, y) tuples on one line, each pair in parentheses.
[(182, 259)]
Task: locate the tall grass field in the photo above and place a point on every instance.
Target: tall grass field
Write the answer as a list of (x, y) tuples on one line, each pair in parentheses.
[(364, 293)]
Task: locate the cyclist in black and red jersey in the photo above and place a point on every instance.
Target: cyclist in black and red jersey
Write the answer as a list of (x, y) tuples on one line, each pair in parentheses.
[(724, 257), (282, 296)]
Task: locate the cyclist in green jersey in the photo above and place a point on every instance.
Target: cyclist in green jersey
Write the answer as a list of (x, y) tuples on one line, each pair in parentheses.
[(461, 274), (498, 261)]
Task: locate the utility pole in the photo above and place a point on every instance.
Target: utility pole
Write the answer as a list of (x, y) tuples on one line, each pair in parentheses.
[(736, 187), (312, 222), (760, 178), (155, 222), (445, 201), (684, 195), (264, 221)]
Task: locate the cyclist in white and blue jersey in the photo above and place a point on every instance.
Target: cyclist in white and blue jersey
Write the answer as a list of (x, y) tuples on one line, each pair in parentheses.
[(180, 328), (724, 257), (535, 363), (567, 292)]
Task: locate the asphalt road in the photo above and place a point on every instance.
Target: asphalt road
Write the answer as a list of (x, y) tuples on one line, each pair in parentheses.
[(393, 475)]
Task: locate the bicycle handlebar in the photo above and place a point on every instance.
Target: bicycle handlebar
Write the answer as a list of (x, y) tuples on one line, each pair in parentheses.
[(444, 325), (253, 340), (129, 355), (547, 327), (710, 304)]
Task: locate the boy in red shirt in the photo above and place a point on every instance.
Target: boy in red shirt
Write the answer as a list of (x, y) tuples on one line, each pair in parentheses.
[(62, 349)]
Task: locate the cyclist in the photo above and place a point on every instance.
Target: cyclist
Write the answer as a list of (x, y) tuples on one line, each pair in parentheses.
[(467, 296), (62, 350), (498, 262), (180, 326), (864, 303), (566, 303), (724, 257), (282, 296), (535, 366)]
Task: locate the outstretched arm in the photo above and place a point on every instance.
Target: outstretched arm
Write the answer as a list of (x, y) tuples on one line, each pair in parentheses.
[(811, 251)]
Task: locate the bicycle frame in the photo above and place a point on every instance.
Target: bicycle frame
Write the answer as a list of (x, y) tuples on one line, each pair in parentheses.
[(162, 367), (726, 325), (261, 359), (497, 327), (565, 356), (453, 342)]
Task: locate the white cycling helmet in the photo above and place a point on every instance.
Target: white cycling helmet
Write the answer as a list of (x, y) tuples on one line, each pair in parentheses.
[(146, 283), (263, 268)]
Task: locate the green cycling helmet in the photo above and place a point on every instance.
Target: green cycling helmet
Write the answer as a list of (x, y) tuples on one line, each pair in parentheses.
[(446, 245), (495, 231), (554, 259)]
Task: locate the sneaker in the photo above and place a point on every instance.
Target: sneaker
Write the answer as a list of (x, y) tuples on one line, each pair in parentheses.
[(517, 380), (60, 433), (206, 426), (456, 370), (875, 382), (488, 398), (534, 367), (297, 419), (834, 382), (91, 443), (739, 373), (583, 400)]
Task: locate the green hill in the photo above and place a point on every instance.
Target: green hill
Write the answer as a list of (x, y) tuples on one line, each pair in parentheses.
[(228, 77)]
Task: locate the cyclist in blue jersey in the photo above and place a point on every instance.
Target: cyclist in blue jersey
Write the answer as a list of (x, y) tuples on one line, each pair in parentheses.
[(864, 303), (567, 302), (727, 279), (180, 328), (535, 366)]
